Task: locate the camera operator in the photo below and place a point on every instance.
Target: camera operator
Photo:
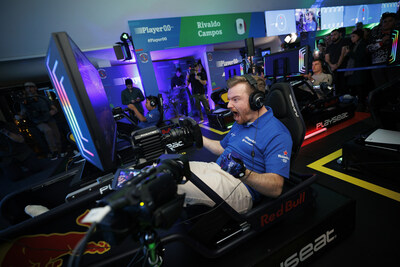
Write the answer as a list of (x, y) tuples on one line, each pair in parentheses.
[(152, 116), (178, 87), (198, 80), (40, 111), (254, 157)]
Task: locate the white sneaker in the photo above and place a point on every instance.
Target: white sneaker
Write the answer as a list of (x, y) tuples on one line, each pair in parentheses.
[(35, 210)]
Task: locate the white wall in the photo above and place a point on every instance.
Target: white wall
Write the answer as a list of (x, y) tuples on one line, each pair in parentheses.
[(26, 25)]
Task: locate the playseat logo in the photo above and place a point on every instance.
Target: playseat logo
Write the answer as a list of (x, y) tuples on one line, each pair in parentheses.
[(284, 208), (175, 145), (105, 189), (293, 106), (309, 249), (333, 120)]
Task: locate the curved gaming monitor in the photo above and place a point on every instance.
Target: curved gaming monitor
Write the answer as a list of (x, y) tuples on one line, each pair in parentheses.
[(83, 100)]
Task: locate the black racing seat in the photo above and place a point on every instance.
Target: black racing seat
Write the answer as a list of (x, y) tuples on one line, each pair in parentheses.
[(160, 106), (283, 103)]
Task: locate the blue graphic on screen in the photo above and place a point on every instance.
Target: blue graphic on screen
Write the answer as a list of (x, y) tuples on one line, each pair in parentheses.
[(83, 100), (233, 70), (361, 13), (389, 7), (332, 17), (265, 52), (279, 22)]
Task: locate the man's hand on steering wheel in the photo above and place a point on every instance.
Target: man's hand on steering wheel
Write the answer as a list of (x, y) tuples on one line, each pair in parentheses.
[(234, 165)]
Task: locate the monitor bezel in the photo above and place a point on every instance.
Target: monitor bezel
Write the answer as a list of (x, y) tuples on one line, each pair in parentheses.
[(65, 53)]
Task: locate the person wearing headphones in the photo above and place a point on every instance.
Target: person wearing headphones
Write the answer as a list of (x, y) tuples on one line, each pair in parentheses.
[(254, 157), (152, 116), (132, 95)]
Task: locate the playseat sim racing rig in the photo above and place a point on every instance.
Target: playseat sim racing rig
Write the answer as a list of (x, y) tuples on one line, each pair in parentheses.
[(143, 203), (322, 108)]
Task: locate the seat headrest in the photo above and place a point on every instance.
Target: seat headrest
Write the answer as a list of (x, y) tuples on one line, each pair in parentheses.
[(278, 105), (284, 105)]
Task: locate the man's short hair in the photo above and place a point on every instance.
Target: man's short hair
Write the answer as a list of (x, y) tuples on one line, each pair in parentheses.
[(178, 69), (128, 81), (335, 30), (318, 59), (387, 15), (359, 32), (29, 84), (241, 79)]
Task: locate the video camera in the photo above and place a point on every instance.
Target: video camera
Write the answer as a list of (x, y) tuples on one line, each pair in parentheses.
[(150, 143), (147, 201)]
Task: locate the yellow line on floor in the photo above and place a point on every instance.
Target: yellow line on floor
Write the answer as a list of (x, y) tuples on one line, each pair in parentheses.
[(213, 130), (319, 166)]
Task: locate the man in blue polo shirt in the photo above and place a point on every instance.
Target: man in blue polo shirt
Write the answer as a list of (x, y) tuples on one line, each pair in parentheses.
[(152, 116), (258, 143)]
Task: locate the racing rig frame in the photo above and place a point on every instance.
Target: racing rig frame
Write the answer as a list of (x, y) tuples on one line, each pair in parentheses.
[(221, 229)]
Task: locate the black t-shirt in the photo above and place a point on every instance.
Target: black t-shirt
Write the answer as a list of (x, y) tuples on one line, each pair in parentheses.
[(37, 108), (178, 81), (335, 50), (197, 86)]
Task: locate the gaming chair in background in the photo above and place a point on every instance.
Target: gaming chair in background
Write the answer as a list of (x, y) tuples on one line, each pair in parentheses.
[(283, 103), (220, 98), (160, 106)]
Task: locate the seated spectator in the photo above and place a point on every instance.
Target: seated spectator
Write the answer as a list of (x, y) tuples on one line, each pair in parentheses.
[(152, 117), (17, 159)]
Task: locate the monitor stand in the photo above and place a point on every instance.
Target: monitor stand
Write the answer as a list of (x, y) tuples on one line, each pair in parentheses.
[(87, 174)]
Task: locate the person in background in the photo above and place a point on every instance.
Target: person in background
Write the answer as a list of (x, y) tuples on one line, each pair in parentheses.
[(198, 80), (17, 159), (320, 52), (379, 48), (179, 92), (317, 77), (153, 115), (132, 95), (333, 57), (356, 55), (40, 111)]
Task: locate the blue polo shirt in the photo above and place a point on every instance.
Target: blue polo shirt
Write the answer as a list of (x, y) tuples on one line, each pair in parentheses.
[(268, 138), (152, 118)]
